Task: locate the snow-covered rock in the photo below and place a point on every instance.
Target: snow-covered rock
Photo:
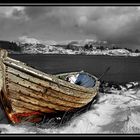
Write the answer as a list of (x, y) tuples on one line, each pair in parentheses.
[(118, 52)]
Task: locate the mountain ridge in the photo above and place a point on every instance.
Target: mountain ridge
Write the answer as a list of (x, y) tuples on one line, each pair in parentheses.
[(29, 45)]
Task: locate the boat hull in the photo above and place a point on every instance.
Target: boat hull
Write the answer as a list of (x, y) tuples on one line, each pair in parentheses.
[(29, 93)]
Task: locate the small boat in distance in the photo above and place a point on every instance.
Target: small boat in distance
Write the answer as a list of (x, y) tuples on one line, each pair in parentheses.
[(27, 94)]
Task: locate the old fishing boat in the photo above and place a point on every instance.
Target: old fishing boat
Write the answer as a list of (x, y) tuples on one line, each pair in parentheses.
[(26, 92)]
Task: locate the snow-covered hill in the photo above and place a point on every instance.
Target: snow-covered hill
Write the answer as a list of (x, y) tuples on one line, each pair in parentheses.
[(27, 40), (87, 47)]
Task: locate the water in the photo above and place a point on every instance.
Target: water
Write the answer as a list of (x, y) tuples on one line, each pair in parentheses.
[(122, 69), (116, 110)]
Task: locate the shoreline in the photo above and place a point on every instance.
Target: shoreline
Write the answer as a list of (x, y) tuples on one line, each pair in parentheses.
[(51, 54)]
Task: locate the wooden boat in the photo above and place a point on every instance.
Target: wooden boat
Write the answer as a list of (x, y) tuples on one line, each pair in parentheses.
[(27, 92)]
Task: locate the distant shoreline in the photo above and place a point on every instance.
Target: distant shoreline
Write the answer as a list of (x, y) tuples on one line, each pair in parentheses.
[(10, 54)]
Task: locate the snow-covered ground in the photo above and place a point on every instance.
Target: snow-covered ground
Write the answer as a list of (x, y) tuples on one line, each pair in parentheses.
[(48, 49), (116, 111), (34, 46)]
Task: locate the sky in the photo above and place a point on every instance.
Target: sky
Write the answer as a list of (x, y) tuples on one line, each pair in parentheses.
[(115, 24)]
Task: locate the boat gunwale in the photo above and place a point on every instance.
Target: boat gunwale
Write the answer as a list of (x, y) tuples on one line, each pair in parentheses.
[(10, 70), (51, 78), (70, 95)]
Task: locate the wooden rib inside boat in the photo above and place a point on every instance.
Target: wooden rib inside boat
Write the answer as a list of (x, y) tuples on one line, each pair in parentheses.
[(26, 91)]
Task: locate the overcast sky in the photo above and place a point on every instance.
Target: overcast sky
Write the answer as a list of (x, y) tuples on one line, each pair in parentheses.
[(115, 24)]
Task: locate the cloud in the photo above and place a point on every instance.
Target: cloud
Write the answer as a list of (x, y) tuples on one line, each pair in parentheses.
[(36, 12), (12, 13), (116, 24), (18, 13), (107, 20)]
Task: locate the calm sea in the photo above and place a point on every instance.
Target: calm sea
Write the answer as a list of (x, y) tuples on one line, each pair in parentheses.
[(122, 69)]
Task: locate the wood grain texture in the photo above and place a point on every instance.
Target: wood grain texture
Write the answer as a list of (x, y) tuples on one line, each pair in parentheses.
[(25, 89)]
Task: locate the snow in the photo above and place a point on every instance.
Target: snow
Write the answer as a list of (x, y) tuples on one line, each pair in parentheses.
[(29, 40), (114, 113), (118, 52), (72, 78), (34, 49), (34, 46)]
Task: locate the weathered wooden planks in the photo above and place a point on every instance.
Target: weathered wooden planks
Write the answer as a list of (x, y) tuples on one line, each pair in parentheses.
[(26, 89)]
